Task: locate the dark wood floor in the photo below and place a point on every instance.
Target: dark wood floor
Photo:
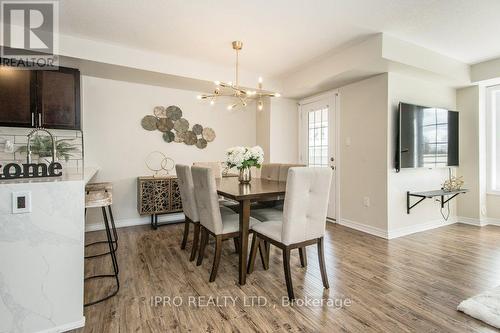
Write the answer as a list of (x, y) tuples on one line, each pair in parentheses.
[(409, 284)]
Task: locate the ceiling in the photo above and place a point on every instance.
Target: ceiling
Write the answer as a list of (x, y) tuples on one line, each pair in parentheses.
[(281, 35)]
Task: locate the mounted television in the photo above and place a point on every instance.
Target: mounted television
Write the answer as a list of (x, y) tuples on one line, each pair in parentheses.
[(427, 137)]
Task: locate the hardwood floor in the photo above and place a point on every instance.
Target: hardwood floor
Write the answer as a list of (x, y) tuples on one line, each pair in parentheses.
[(409, 284)]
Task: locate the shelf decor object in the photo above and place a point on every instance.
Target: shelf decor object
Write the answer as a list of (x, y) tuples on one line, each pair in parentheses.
[(239, 96), (243, 159), (175, 128), (157, 162)]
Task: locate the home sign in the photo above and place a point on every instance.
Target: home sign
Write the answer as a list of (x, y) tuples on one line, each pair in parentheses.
[(30, 170)]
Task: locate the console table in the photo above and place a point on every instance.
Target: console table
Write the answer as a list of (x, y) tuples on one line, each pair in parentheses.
[(158, 195), (431, 194)]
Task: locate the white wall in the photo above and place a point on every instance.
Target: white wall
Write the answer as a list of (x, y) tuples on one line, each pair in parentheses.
[(414, 91), (284, 131), (363, 163), (116, 142), (469, 206)]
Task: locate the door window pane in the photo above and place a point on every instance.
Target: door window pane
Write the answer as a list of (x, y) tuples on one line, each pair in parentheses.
[(318, 138)]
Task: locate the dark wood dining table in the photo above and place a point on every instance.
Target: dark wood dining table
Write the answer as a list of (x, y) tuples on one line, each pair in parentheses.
[(258, 189)]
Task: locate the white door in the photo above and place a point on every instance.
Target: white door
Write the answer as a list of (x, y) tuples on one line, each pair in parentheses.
[(317, 139)]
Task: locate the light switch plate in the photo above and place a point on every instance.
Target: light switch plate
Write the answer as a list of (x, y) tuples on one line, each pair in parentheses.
[(21, 202)]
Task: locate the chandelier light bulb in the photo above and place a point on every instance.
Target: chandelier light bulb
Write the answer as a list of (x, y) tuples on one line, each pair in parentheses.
[(260, 105), (212, 102), (199, 97), (260, 79), (217, 83)]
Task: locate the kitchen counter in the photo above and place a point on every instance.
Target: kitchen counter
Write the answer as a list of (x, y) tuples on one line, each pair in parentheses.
[(49, 240)]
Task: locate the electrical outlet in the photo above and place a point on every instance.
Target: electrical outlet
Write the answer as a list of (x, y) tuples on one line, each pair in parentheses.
[(21, 202), (366, 201)]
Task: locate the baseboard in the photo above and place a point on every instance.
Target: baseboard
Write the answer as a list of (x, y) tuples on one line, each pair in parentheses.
[(130, 222), (395, 233), (481, 222), (363, 227), (66, 327), (405, 231), (471, 221)]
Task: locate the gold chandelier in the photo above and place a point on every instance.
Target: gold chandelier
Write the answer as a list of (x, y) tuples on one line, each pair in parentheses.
[(239, 95)]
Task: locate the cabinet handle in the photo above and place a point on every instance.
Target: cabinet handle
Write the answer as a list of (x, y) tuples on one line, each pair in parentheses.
[(39, 120), (32, 119)]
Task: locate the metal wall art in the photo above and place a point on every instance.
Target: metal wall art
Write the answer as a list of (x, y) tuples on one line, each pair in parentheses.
[(174, 128)]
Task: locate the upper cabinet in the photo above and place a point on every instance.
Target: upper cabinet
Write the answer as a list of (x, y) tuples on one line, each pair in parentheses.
[(49, 99)]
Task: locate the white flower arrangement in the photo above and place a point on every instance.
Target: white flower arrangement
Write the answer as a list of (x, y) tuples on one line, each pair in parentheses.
[(244, 157)]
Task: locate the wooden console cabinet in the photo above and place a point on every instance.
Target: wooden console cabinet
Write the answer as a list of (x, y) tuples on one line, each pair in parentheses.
[(158, 195)]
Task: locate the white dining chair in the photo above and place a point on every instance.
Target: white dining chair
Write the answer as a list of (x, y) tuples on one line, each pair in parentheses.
[(303, 222), (186, 189), (221, 226)]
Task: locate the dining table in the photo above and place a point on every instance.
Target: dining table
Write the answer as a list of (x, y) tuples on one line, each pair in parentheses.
[(257, 190)]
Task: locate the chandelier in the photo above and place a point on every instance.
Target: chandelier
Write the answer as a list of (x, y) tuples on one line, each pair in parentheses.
[(239, 95)]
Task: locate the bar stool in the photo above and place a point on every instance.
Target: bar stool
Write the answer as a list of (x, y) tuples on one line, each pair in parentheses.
[(99, 195), (106, 187)]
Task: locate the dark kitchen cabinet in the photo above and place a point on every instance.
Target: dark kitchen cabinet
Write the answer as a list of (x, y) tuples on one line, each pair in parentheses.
[(58, 98), (17, 97), (49, 98)]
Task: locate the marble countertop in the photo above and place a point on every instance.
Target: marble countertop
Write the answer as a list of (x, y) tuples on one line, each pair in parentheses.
[(69, 174)]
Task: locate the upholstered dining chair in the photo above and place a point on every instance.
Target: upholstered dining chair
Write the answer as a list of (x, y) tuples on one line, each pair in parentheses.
[(217, 172), (215, 166), (303, 222), (186, 188), (221, 226)]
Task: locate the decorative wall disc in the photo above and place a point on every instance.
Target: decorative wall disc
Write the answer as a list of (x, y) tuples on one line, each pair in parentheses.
[(190, 138), (165, 124), (197, 129), (201, 143), (160, 112), (149, 123), (174, 112), (208, 134), (179, 137), (168, 136), (181, 125)]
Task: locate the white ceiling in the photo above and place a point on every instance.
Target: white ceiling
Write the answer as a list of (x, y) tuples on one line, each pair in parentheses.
[(280, 35)]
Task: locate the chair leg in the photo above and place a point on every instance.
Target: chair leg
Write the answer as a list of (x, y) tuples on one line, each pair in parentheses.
[(264, 256), (288, 275), (186, 234), (196, 241), (218, 251), (253, 253), (267, 245), (321, 258), (113, 227), (303, 256), (203, 244), (236, 245)]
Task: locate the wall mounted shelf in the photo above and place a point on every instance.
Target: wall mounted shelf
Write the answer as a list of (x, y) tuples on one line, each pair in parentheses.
[(431, 194)]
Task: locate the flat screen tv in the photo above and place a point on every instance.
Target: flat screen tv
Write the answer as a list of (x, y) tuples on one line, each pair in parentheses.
[(427, 137)]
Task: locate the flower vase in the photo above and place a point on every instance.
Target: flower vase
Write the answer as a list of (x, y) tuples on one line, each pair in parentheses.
[(245, 176)]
